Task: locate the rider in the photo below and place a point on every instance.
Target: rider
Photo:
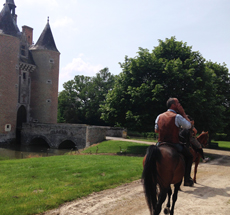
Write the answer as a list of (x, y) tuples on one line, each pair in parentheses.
[(168, 125), (189, 136)]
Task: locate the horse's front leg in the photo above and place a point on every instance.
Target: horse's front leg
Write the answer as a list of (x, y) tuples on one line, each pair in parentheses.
[(197, 161)]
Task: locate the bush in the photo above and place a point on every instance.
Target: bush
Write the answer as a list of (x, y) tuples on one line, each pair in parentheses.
[(152, 135), (134, 133), (221, 137)]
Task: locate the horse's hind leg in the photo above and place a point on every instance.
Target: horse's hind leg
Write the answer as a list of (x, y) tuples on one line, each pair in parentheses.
[(167, 209), (161, 199), (174, 198)]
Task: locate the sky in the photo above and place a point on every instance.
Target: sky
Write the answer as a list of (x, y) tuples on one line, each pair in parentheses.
[(94, 34)]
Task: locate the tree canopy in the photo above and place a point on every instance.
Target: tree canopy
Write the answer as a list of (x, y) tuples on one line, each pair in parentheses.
[(80, 100), (172, 69)]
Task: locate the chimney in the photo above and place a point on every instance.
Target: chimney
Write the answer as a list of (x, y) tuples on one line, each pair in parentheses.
[(29, 33)]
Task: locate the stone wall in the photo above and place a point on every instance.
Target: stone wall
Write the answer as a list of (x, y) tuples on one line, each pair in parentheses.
[(116, 132), (95, 134), (55, 134)]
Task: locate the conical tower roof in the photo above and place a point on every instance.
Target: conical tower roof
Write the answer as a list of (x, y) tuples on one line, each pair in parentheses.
[(10, 3), (46, 40), (7, 22)]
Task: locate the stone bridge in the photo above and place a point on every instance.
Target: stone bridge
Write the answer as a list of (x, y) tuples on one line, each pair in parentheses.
[(62, 135)]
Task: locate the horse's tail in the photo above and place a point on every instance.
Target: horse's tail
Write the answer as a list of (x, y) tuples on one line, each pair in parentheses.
[(149, 176)]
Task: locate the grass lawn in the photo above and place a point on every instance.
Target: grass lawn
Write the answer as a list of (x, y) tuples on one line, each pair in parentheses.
[(118, 147), (145, 139), (224, 145), (35, 185), (4, 158)]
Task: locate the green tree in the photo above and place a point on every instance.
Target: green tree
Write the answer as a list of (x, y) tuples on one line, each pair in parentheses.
[(222, 87), (68, 104), (172, 69), (80, 100), (100, 85)]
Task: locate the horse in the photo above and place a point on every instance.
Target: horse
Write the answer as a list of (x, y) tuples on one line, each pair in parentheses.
[(203, 139), (163, 166)]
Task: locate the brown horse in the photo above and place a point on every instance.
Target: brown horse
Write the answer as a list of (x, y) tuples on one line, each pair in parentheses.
[(163, 166), (203, 139)]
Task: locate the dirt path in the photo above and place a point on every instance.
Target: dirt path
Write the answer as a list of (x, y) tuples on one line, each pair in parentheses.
[(210, 196)]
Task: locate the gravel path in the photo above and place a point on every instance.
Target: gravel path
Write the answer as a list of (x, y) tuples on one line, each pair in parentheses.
[(211, 195)]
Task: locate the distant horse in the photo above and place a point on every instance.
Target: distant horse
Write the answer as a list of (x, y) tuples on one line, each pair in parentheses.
[(197, 155), (163, 166)]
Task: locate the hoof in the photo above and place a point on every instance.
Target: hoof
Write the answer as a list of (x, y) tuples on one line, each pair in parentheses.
[(166, 211)]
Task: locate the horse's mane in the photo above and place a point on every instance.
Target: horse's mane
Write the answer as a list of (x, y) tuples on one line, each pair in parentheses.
[(203, 137), (203, 134)]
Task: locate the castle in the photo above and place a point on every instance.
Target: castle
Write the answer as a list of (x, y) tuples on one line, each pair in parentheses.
[(28, 75)]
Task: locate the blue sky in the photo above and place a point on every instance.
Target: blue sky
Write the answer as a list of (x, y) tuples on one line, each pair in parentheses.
[(93, 34)]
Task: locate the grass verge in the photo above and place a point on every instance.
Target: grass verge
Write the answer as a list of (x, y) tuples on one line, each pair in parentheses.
[(224, 144), (32, 186), (118, 147), (4, 158), (154, 140)]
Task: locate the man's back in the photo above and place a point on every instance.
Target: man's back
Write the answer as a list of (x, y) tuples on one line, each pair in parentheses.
[(168, 131)]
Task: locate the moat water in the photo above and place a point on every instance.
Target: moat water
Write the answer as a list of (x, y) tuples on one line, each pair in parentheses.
[(16, 151)]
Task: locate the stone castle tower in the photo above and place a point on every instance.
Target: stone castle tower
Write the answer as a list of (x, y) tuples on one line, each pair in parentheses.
[(28, 75)]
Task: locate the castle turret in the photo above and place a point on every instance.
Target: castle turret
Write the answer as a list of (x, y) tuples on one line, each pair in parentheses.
[(12, 7), (44, 81), (9, 64)]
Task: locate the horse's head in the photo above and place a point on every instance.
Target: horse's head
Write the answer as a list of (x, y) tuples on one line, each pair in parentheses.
[(203, 138)]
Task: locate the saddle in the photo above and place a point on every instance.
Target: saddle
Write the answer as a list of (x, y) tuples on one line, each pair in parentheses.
[(165, 143), (173, 145)]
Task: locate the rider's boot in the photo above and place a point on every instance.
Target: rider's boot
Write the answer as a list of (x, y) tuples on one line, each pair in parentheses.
[(187, 178)]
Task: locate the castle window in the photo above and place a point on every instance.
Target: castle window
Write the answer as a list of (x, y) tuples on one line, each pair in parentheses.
[(8, 127), (49, 81), (23, 50), (48, 100), (24, 76), (51, 61)]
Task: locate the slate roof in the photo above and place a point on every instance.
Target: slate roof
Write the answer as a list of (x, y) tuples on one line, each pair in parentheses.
[(10, 2), (46, 40), (7, 23)]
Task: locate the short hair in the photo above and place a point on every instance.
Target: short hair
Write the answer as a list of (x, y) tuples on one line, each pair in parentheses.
[(170, 102)]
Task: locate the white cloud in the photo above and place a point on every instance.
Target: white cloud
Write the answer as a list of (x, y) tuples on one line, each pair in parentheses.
[(77, 67)]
